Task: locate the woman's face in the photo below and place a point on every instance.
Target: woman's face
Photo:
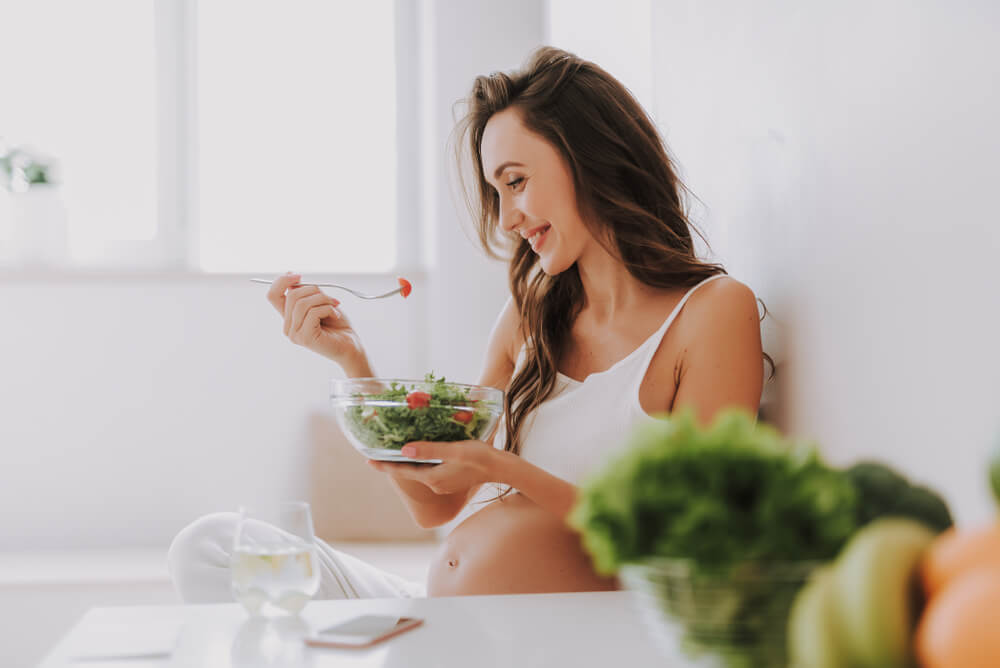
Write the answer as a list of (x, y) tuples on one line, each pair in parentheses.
[(537, 196)]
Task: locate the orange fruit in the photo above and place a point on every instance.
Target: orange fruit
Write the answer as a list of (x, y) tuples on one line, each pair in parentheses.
[(958, 627), (958, 551)]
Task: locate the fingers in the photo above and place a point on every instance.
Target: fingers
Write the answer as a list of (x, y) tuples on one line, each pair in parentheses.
[(403, 469), (422, 473), (276, 293), (291, 298), (425, 450), (313, 321), (307, 305)]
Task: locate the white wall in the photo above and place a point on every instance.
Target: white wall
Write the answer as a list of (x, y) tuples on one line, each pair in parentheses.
[(618, 36), (846, 154), (131, 405)]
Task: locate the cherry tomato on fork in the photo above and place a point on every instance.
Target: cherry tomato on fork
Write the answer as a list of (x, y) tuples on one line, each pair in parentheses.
[(406, 287)]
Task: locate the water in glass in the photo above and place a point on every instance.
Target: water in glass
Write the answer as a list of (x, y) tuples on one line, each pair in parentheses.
[(275, 566)]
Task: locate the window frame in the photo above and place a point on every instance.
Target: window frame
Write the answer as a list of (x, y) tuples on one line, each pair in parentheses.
[(174, 247)]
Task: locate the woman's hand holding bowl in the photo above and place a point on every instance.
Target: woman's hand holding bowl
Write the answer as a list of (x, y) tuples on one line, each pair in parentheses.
[(464, 465)]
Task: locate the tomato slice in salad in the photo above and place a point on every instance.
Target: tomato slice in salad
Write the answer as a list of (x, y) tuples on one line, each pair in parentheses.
[(465, 417), (415, 400), (405, 284)]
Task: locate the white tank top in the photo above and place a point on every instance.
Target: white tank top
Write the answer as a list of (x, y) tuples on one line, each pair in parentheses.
[(582, 424)]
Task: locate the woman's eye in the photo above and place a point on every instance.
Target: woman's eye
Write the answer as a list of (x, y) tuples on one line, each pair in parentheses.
[(516, 182)]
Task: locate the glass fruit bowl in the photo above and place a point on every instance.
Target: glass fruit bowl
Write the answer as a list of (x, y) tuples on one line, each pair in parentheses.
[(704, 620), (381, 415)]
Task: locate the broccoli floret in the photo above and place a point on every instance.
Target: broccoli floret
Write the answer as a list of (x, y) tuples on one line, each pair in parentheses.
[(883, 491)]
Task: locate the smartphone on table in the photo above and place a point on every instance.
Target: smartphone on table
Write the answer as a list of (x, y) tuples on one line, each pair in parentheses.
[(363, 631)]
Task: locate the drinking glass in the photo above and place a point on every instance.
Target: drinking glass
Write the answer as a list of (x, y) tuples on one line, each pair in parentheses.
[(275, 566)]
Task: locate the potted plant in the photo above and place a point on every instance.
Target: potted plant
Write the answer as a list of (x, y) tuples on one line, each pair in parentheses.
[(38, 216), (22, 170)]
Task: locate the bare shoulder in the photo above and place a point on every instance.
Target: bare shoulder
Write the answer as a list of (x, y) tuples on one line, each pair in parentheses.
[(503, 347), (720, 302), (508, 328), (720, 364)]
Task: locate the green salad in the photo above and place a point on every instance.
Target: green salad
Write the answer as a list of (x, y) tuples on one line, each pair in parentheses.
[(399, 415)]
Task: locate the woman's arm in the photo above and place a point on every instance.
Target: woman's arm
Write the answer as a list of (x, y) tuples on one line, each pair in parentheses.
[(313, 321), (548, 491), (722, 365), (469, 464)]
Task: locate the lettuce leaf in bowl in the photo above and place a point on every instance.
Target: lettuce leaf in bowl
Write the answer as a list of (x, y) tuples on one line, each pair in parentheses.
[(435, 411)]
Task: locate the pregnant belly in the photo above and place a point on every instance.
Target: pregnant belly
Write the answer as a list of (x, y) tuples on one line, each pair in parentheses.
[(512, 546)]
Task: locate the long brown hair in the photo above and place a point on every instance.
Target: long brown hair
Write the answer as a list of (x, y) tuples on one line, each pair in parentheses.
[(627, 192)]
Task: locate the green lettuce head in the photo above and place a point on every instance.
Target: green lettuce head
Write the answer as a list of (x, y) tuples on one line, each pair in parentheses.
[(733, 491)]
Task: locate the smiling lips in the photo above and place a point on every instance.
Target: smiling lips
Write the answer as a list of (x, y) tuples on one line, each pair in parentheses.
[(536, 235)]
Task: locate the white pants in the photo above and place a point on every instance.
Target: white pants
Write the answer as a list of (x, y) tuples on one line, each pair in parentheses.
[(199, 555)]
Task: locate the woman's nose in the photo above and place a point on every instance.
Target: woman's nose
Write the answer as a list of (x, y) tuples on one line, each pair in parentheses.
[(510, 218)]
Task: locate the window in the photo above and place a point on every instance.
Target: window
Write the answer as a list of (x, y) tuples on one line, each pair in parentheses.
[(215, 135), (81, 89)]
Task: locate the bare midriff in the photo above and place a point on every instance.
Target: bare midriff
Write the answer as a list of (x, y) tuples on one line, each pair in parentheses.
[(513, 546)]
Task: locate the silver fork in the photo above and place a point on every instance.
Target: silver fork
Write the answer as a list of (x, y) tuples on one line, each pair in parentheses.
[(360, 295)]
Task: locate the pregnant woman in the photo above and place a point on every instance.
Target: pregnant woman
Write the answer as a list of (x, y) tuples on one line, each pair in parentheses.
[(612, 318)]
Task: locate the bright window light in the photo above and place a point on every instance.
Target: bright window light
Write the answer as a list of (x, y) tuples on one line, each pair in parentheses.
[(296, 117), (78, 84)]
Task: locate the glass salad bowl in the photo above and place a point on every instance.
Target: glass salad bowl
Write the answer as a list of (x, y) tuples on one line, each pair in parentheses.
[(381, 415), (737, 620)]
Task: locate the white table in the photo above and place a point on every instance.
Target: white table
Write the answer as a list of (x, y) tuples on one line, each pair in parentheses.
[(522, 631)]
